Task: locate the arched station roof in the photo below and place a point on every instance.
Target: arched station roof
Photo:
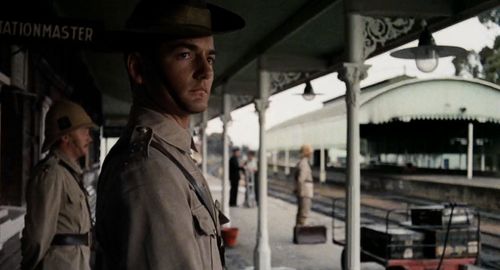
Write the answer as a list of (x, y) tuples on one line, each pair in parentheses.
[(403, 99)]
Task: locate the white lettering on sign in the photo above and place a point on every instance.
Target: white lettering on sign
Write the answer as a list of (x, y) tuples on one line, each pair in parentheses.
[(46, 31)]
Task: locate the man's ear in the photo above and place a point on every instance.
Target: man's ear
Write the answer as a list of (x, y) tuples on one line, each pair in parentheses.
[(135, 68), (65, 138)]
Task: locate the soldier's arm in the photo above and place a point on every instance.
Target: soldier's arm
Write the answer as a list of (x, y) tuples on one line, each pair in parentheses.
[(302, 173), (43, 198)]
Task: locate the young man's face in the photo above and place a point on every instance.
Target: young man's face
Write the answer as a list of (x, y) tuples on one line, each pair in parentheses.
[(185, 73)]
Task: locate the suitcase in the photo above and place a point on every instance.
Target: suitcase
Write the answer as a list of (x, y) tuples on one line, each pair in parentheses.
[(394, 242), (309, 234)]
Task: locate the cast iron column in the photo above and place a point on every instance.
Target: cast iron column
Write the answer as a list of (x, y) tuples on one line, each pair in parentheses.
[(226, 119), (470, 152), (352, 73), (262, 254), (322, 165), (287, 161), (204, 143)]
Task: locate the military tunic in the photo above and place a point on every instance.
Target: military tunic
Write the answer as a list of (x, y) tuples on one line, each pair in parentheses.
[(305, 189), (149, 216), (55, 205)]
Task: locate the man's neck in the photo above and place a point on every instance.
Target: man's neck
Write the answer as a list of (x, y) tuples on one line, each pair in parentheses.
[(68, 154)]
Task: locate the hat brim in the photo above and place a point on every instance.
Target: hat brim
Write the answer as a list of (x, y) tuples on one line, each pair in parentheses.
[(222, 20)]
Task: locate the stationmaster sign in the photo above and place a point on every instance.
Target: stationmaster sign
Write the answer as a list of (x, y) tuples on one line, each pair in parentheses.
[(61, 30)]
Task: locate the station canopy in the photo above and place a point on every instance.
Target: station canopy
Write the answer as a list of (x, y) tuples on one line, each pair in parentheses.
[(399, 99), (296, 40)]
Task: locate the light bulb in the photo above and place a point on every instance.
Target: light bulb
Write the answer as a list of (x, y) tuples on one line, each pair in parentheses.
[(427, 60), (308, 97), (308, 92)]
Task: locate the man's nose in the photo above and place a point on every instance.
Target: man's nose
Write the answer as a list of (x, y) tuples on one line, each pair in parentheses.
[(204, 69)]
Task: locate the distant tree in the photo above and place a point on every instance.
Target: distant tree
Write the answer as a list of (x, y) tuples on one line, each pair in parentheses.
[(468, 66), (485, 64), (490, 59), (489, 18)]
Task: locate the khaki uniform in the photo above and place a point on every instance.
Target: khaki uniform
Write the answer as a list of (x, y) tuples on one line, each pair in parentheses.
[(55, 205), (305, 190), (148, 214)]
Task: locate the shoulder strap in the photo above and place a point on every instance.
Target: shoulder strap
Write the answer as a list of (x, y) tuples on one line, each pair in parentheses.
[(199, 193), (82, 188)]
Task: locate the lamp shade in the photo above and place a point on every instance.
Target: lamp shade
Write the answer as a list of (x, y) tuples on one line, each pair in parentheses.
[(427, 53), (308, 92)]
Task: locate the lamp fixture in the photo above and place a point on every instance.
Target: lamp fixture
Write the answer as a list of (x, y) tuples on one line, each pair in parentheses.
[(427, 53), (309, 92)]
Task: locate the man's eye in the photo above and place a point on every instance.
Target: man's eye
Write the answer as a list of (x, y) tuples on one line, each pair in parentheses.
[(184, 55), (211, 60)]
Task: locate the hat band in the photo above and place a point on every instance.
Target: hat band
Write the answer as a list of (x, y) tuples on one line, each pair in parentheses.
[(188, 15)]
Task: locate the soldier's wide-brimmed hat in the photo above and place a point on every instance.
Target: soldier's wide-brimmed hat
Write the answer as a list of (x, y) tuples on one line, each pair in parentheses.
[(63, 117), (156, 20)]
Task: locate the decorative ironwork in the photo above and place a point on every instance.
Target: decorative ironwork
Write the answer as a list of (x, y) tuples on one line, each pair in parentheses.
[(281, 80), (352, 73), (238, 100), (261, 105), (380, 30)]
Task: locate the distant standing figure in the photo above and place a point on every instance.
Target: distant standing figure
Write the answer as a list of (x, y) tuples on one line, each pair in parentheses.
[(304, 185), (58, 219), (251, 165), (234, 176)]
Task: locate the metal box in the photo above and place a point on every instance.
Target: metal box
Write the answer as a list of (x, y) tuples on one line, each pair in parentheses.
[(392, 243), (439, 215), (462, 242)]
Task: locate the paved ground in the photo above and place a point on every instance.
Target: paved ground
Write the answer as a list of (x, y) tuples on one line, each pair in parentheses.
[(285, 255)]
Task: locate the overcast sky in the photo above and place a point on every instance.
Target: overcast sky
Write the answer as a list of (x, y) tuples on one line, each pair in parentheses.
[(244, 129)]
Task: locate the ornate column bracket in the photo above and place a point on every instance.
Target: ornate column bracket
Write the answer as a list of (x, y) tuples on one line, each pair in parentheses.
[(261, 105), (238, 100), (226, 119), (202, 126), (380, 30), (280, 80), (352, 73)]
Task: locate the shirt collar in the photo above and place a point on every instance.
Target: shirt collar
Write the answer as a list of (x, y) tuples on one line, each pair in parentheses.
[(163, 127)]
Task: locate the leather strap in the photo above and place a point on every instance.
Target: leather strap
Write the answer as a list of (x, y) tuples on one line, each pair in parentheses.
[(82, 188), (71, 239), (199, 193)]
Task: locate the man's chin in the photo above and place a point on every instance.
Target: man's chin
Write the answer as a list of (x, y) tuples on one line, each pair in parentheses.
[(198, 108)]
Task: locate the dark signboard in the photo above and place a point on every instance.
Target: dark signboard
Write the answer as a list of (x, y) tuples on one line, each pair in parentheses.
[(57, 30)]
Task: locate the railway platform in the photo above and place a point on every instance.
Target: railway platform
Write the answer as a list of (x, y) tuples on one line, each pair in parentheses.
[(284, 254)]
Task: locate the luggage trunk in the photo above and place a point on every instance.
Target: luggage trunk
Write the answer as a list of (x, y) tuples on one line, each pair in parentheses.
[(309, 234)]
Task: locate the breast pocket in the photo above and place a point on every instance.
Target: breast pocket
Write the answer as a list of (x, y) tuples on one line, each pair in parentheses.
[(205, 236), (203, 221)]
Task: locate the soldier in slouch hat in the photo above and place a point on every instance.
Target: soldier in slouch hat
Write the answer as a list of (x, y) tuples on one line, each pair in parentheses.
[(154, 208)]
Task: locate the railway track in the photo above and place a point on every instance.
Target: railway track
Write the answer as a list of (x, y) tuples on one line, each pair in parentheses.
[(374, 209)]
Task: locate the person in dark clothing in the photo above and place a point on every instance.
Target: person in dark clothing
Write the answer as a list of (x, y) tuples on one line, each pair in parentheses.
[(234, 176)]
